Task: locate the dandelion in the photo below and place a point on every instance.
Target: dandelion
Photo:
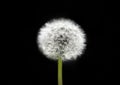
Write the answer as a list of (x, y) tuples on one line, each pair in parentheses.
[(61, 39)]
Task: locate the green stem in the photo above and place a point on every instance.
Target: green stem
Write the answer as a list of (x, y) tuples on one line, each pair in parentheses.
[(60, 71)]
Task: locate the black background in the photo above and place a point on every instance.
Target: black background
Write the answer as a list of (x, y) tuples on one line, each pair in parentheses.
[(29, 66)]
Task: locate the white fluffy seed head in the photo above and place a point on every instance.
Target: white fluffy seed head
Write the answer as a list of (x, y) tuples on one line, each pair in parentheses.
[(61, 38)]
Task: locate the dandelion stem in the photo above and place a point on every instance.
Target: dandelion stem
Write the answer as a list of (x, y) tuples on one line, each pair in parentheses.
[(60, 71)]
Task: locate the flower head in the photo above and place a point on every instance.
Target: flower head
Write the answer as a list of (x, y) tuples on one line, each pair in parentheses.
[(61, 37)]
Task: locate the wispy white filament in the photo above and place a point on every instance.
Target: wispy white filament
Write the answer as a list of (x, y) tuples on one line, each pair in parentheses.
[(61, 37)]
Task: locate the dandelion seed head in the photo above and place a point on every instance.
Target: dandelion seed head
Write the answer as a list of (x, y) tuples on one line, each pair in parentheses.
[(61, 37)]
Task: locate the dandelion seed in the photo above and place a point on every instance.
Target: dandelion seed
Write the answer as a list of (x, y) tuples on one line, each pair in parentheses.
[(61, 37)]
